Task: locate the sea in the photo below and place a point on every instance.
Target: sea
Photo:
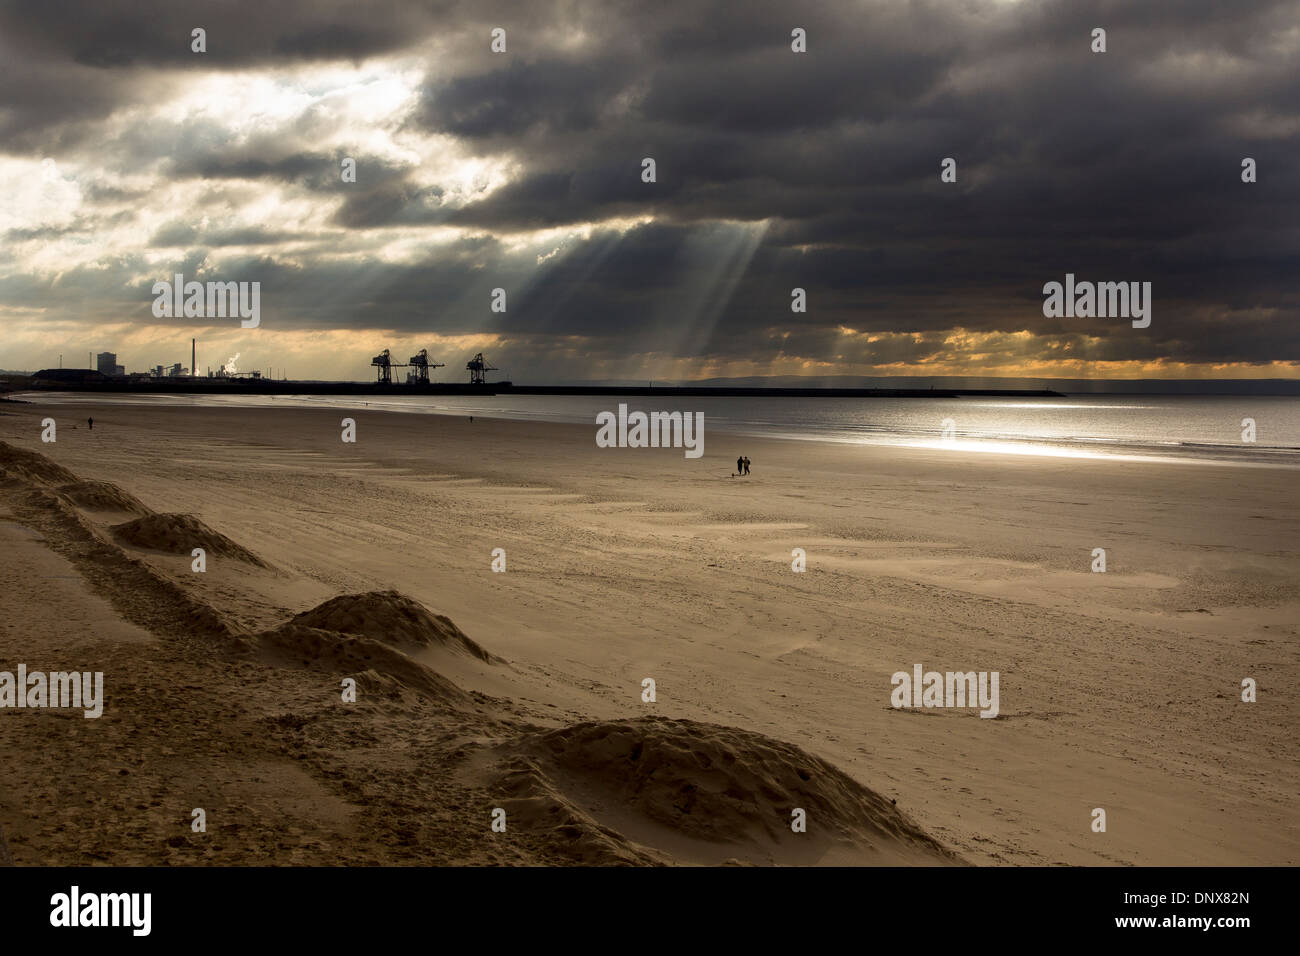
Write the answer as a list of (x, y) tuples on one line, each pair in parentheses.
[(1253, 431)]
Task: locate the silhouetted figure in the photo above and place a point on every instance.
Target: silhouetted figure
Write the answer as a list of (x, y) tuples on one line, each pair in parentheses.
[(746, 464), (91, 423), (471, 419), (740, 466)]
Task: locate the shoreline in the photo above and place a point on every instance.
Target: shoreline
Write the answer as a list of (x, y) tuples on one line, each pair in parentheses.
[(186, 385), (1216, 454)]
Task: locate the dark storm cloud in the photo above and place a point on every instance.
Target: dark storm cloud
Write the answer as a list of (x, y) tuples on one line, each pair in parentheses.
[(96, 193), (153, 33), (175, 234), (546, 97), (392, 202), (184, 234), (1115, 166), (65, 65), (254, 163), (41, 232)]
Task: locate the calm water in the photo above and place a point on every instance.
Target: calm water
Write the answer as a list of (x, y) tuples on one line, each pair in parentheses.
[(1177, 427)]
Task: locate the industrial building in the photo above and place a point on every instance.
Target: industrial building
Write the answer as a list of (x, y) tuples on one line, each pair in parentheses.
[(106, 364)]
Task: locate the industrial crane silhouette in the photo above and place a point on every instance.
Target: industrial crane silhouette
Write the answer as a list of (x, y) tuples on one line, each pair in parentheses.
[(478, 367), (420, 365)]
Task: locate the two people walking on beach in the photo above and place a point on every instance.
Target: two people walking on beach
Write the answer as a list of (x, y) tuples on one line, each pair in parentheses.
[(742, 466)]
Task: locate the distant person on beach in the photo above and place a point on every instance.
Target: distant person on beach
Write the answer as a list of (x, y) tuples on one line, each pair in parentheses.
[(746, 464), (740, 466), (471, 419), (91, 423)]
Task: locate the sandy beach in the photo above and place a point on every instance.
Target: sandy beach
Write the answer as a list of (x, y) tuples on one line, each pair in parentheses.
[(523, 690)]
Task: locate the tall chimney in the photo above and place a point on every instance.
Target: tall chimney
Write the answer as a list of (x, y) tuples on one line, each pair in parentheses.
[(194, 369)]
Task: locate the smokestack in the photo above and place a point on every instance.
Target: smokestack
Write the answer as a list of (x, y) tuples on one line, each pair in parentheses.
[(194, 369)]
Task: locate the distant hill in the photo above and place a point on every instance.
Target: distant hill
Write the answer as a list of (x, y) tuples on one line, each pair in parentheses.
[(69, 376), (14, 381)]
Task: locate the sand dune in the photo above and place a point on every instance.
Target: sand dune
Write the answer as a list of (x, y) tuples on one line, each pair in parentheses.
[(347, 655), (392, 618), (143, 595), (371, 632), (654, 788), (101, 496), (19, 464), (180, 534)]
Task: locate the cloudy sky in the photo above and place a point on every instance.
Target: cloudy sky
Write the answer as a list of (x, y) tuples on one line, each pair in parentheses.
[(126, 157)]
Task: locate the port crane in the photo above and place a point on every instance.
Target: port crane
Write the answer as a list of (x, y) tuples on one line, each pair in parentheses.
[(478, 369), (420, 365)]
